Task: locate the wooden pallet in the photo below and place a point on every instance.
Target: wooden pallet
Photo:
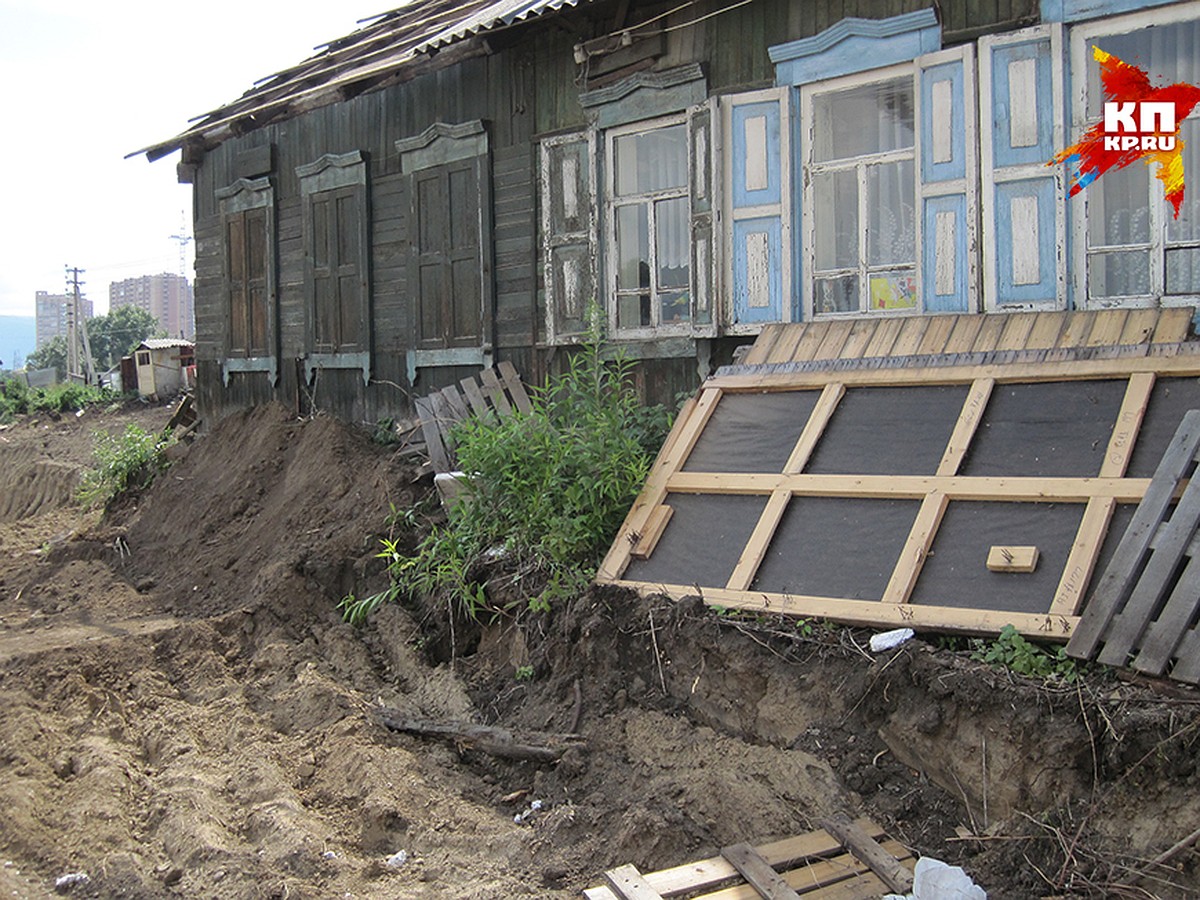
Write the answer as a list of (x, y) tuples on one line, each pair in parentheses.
[(1148, 598), (842, 861), (493, 394)]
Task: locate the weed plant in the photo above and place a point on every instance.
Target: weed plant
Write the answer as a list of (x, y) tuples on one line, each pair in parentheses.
[(121, 462), (17, 398), (1012, 651), (548, 490)]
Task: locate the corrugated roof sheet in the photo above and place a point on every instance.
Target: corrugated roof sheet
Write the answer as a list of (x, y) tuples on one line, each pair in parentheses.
[(163, 343), (383, 49), (505, 12)]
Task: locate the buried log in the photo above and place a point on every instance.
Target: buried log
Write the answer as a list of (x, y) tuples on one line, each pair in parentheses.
[(532, 746)]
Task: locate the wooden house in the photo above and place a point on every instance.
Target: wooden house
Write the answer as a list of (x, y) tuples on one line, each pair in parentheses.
[(459, 183), (160, 366)]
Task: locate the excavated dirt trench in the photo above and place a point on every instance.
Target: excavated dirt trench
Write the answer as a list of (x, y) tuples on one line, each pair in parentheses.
[(186, 715)]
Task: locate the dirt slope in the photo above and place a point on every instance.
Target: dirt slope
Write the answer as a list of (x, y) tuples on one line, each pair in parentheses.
[(186, 715)]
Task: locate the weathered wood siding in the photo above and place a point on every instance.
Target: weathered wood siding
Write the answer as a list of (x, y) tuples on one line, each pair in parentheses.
[(528, 88)]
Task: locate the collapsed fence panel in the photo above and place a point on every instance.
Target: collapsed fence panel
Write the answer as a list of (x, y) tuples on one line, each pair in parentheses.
[(880, 494)]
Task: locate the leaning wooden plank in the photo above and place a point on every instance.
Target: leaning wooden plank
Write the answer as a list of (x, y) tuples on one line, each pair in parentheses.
[(708, 873), (785, 346), (516, 389), (863, 846), (475, 397), (965, 426), (495, 391), (1107, 328), (1187, 669), (1174, 325), (762, 345), (1169, 629), (1045, 331), (433, 436), (629, 884), (455, 404), (1168, 546), (860, 337), (679, 443), (1139, 326), (1181, 364), (931, 616), (1118, 579), (916, 548), (532, 746), (758, 873), (812, 337)]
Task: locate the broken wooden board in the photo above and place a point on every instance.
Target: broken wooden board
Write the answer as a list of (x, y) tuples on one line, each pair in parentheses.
[(815, 866), (1145, 603), (873, 496), (493, 394)]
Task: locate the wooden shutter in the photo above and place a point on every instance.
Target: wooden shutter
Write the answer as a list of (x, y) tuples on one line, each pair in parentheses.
[(757, 186), (1024, 208), (239, 302), (569, 222), (702, 186), (948, 175), (255, 288)]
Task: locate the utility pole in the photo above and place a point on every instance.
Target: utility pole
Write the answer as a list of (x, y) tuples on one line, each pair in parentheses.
[(77, 329)]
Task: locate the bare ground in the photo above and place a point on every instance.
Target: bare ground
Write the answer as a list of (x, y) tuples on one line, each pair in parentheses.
[(184, 713)]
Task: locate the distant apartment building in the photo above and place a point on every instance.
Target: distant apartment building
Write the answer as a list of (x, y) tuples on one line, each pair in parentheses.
[(167, 297), (52, 312)]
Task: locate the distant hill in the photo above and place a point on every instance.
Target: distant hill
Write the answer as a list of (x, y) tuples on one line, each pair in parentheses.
[(18, 338)]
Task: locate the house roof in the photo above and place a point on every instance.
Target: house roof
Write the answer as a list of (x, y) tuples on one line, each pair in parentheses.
[(163, 343), (394, 46)]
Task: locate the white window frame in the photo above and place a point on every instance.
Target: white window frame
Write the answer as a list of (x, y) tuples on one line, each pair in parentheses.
[(1080, 39), (612, 202), (808, 92)]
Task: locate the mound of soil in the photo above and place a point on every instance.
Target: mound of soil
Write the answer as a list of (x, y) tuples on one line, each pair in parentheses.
[(187, 715)]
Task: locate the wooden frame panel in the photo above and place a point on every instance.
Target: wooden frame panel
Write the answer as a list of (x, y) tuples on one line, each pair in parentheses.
[(1098, 495)]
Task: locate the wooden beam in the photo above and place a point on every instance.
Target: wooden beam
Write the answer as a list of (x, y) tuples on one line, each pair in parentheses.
[(655, 526), (675, 450), (629, 884), (756, 547), (1182, 364), (1008, 558), (512, 382), (929, 617), (495, 392), (864, 847), (914, 487), (916, 548), (1085, 552), (964, 428), (758, 873)]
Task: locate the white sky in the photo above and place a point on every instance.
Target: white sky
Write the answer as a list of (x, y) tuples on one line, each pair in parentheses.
[(86, 82)]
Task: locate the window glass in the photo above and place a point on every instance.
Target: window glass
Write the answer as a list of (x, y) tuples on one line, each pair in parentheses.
[(1187, 226), (835, 204), (633, 247), (671, 241), (1117, 209), (1119, 274), (651, 160), (891, 229), (1169, 53), (873, 118)]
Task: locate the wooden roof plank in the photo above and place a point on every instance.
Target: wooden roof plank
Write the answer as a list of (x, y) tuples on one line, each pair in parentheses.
[(1174, 325), (758, 873)]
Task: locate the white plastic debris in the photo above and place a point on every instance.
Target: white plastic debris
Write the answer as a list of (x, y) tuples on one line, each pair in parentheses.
[(68, 881), (522, 818), (397, 859), (886, 640), (329, 854), (936, 880)]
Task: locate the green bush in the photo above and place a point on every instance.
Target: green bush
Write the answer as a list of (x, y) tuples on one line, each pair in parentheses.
[(121, 462), (16, 398), (549, 489)]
